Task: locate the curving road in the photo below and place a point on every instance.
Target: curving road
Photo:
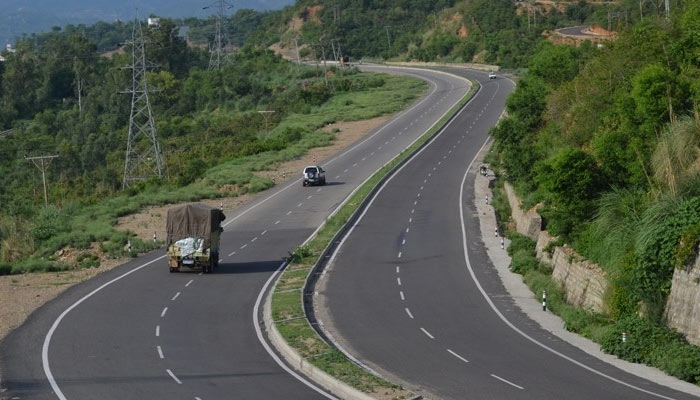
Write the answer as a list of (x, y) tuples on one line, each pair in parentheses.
[(139, 332), (412, 293)]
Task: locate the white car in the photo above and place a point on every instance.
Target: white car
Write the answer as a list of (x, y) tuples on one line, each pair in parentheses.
[(314, 175), (492, 75)]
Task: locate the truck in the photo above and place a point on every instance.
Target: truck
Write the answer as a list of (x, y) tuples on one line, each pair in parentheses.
[(193, 236)]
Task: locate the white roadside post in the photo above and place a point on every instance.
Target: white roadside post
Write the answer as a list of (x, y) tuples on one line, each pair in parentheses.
[(624, 337), (544, 300), (155, 238)]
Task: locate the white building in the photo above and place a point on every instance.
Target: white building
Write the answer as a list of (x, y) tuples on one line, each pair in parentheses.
[(154, 22)]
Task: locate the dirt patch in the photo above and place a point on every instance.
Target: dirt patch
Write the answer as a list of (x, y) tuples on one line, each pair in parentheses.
[(313, 13)]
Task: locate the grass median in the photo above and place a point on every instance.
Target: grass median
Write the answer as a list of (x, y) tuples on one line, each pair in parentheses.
[(287, 302)]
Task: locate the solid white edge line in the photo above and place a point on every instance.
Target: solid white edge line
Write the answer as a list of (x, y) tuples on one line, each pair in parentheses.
[(341, 155), (179, 382), (47, 339), (56, 323), (457, 355), (427, 333), (503, 317), (507, 381)]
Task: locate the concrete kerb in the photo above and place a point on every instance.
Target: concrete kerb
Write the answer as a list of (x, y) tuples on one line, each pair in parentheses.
[(531, 306), (291, 356), (478, 67)]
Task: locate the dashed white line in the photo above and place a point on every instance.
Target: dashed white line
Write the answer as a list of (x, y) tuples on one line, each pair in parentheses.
[(403, 242), (427, 333), (430, 174), (364, 158), (409, 313), (162, 314), (253, 239), (337, 177), (231, 253), (398, 281), (379, 148), (346, 170), (457, 355), (160, 352), (508, 382), (425, 181), (418, 195), (263, 233), (289, 212), (408, 229), (276, 222), (398, 269), (410, 220), (300, 204), (413, 211), (402, 296), (399, 256), (197, 398), (421, 188), (189, 283), (309, 197), (179, 382), (371, 154), (319, 190), (176, 296), (244, 246), (157, 330)]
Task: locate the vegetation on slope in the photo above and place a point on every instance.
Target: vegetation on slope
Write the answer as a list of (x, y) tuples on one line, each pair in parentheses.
[(212, 136)]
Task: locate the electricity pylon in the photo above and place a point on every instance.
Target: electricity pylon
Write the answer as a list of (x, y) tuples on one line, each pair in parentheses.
[(217, 50), (144, 157)]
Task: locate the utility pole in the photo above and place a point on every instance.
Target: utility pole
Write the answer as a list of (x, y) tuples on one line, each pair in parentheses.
[(335, 56), (42, 163), (266, 114), (296, 43), (143, 153), (668, 10), (218, 48), (325, 67), (388, 36)]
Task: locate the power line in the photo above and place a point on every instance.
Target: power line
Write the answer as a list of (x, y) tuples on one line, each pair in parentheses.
[(143, 153), (215, 59), (42, 163)]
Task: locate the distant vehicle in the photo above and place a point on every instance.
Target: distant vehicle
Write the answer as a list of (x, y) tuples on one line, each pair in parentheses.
[(194, 231), (314, 175), (492, 75)]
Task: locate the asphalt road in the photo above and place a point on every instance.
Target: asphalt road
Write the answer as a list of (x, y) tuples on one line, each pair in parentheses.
[(139, 332), (578, 31), (400, 298)]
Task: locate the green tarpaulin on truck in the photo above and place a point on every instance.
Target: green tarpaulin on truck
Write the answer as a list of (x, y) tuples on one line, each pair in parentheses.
[(193, 220)]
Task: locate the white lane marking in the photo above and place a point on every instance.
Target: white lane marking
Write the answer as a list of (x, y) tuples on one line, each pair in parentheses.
[(418, 195), (319, 190), (387, 142), (415, 202), (299, 205), (508, 382), (371, 154), (176, 296), (413, 211), (292, 184), (402, 296), (399, 254), (157, 330), (345, 170), (244, 246), (309, 197), (263, 233), (403, 242), (504, 319), (379, 148), (231, 253), (160, 352), (364, 158), (409, 313), (425, 181), (354, 165), (398, 269), (189, 283), (47, 339), (162, 314), (277, 222), (398, 281), (430, 174), (427, 333), (439, 162), (337, 177), (289, 212), (179, 382), (410, 220), (197, 398), (408, 229), (200, 274), (421, 188), (457, 355), (253, 239)]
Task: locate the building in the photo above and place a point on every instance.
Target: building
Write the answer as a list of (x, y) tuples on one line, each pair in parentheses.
[(154, 22)]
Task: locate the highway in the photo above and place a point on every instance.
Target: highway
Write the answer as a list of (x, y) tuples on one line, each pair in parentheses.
[(412, 294), (139, 332)]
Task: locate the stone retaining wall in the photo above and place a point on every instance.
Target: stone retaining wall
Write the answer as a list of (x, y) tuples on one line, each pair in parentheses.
[(683, 305), (584, 282)]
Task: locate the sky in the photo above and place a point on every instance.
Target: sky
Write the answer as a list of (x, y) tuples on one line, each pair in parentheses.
[(29, 16)]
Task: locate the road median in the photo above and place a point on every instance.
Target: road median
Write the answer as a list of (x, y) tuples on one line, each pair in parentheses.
[(288, 313)]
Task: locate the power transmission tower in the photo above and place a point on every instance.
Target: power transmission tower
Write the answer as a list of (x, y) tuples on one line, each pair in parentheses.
[(143, 153), (217, 50), (42, 163)]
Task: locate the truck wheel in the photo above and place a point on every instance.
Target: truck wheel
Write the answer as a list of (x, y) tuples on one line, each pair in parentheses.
[(172, 270)]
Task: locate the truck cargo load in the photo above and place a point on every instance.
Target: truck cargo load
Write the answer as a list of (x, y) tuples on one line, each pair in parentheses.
[(193, 234)]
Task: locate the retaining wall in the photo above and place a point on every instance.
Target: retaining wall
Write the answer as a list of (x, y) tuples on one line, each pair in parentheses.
[(683, 305)]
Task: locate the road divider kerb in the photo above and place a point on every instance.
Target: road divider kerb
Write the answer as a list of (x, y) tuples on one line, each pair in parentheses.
[(290, 354)]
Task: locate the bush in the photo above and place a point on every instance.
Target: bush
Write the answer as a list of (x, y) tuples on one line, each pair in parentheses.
[(5, 269)]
